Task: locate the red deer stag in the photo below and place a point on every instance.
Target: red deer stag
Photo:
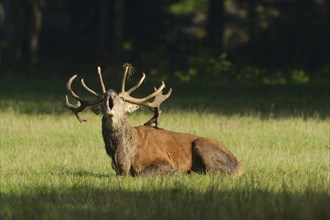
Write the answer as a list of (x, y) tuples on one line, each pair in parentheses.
[(149, 150)]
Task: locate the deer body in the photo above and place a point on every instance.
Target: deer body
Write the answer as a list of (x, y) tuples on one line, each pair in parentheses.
[(148, 150), (145, 150)]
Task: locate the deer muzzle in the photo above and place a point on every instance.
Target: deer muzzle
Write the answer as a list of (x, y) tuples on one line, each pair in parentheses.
[(110, 107)]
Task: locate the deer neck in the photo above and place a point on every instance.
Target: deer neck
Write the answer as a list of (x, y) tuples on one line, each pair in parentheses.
[(120, 142)]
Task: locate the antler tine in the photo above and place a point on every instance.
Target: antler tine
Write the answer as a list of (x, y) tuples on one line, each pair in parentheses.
[(123, 82), (68, 86), (89, 89), (155, 107), (82, 101), (101, 79), (159, 99), (74, 108), (82, 104), (159, 90), (101, 82), (137, 85), (127, 97)]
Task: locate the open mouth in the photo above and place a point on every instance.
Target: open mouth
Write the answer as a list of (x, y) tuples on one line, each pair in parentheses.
[(110, 107), (110, 103)]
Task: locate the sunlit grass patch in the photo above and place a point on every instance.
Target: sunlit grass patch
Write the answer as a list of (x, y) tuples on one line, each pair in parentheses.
[(53, 167)]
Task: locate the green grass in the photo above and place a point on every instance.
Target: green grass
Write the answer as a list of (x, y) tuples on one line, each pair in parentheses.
[(53, 167)]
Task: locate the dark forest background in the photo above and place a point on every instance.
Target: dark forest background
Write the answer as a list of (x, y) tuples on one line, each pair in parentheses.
[(246, 41)]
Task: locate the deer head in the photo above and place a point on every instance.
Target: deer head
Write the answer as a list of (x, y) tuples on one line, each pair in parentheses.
[(114, 106)]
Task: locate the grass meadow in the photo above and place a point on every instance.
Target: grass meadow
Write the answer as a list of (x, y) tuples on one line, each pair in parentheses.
[(53, 167)]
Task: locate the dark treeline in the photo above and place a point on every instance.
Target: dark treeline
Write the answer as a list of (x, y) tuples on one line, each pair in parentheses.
[(267, 41)]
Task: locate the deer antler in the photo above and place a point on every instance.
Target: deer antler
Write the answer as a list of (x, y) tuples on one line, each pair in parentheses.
[(154, 105), (81, 103), (101, 81)]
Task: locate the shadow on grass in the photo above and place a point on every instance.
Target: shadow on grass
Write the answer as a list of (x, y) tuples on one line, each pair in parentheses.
[(312, 101), (85, 202), (82, 173)]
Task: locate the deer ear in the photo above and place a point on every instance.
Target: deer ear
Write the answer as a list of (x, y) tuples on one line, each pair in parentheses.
[(131, 107)]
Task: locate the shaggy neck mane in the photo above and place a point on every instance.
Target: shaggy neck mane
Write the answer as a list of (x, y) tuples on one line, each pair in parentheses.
[(119, 138)]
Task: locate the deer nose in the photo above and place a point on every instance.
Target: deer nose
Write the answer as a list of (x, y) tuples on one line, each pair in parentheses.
[(111, 94)]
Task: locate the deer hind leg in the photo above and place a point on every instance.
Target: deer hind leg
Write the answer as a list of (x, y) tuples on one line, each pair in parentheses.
[(215, 157)]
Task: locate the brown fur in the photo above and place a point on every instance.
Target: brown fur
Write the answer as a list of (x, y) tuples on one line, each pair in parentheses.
[(146, 150)]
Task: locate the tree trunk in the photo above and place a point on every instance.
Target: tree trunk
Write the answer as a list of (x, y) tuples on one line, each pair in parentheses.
[(103, 25), (2, 24), (215, 26), (34, 32), (119, 14)]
